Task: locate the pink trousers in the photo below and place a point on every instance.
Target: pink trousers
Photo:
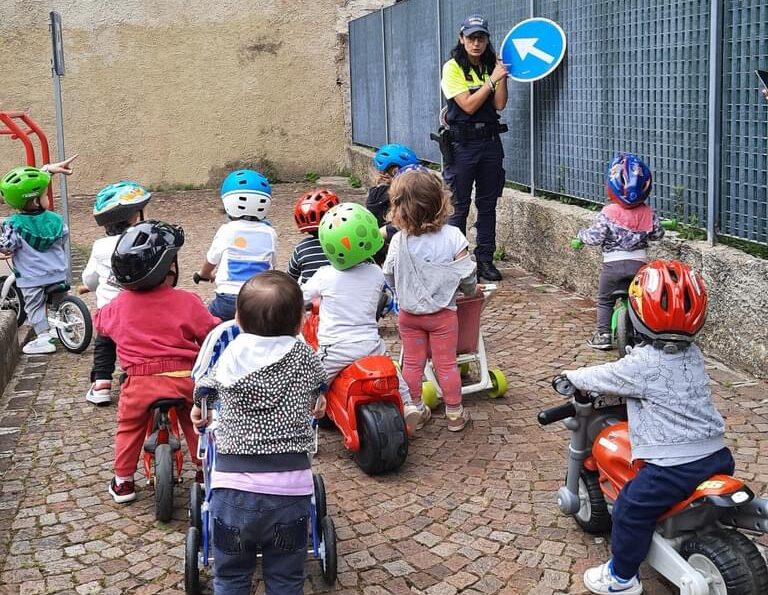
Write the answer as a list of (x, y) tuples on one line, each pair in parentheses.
[(436, 334)]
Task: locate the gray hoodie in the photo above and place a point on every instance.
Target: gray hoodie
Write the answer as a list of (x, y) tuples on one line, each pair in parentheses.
[(426, 287), (672, 419)]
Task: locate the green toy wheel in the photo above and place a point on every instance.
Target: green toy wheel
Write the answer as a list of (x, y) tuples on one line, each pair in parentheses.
[(464, 369), (429, 395), (498, 383)]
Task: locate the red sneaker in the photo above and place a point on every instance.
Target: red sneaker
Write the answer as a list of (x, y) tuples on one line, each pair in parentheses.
[(122, 492)]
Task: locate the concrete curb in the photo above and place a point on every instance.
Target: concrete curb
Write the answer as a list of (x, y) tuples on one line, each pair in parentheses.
[(9, 347), (535, 234)]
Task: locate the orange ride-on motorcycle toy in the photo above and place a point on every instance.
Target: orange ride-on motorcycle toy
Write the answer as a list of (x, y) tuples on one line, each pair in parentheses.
[(163, 458), (364, 403), (696, 546)]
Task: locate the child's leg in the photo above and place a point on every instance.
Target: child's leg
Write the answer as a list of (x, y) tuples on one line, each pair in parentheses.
[(613, 277), (443, 328), (403, 388), (185, 387), (245, 522), (136, 394), (643, 500), (34, 306), (415, 352), (338, 356), (223, 306), (104, 358)]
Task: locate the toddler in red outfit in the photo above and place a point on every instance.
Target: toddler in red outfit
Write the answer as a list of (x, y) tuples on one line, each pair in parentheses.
[(158, 331)]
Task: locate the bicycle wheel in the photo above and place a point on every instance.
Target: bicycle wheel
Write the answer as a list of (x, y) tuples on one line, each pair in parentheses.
[(77, 329)]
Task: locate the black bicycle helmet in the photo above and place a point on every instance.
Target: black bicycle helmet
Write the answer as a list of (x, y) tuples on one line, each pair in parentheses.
[(145, 253)]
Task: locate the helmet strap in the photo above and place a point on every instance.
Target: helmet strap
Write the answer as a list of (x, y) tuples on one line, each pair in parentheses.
[(174, 271)]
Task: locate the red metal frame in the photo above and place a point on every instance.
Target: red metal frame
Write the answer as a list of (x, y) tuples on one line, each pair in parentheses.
[(22, 133)]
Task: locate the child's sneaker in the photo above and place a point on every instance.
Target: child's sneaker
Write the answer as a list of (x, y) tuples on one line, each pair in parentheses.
[(122, 492), (602, 581), (100, 392), (600, 341), (457, 420), (41, 344), (416, 418)]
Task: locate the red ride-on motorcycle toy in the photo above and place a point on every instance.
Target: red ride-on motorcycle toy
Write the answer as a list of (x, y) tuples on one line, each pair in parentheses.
[(364, 402), (696, 545), (162, 446)]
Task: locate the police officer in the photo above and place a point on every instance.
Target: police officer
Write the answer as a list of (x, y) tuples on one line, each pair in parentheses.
[(475, 84)]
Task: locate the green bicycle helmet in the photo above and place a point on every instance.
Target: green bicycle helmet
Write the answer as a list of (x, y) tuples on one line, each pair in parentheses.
[(22, 184), (117, 202), (349, 235)]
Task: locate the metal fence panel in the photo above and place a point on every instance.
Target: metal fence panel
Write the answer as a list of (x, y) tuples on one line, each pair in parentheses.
[(743, 202), (413, 102), (366, 69)]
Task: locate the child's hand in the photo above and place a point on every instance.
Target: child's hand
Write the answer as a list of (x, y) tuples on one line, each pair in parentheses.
[(62, 167), (196, 416), (82, 289), (318, 410)]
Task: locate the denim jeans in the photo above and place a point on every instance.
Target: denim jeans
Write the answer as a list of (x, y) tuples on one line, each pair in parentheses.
[(245, 523), (223, 306)]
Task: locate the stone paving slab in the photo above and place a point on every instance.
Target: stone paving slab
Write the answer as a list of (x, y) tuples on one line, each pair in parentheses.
[(471, 513)]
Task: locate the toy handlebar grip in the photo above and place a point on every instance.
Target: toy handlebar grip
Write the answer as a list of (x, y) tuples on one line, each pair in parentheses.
[(196, 278), (550, 416)]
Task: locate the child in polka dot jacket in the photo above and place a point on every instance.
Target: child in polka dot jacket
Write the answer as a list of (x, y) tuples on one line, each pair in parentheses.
[(267, 383)]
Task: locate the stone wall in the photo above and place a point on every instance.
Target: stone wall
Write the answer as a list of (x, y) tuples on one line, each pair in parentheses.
[(179, 92), (536, 234)]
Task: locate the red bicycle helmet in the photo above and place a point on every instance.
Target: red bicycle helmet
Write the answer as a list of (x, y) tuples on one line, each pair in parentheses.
[(668, 301), (311, 206)]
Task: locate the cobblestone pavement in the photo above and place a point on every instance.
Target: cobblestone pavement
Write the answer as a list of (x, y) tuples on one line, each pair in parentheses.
[(472, 512)]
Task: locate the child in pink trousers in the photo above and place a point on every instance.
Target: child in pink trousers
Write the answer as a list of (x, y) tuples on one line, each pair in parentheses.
[(427, 263)]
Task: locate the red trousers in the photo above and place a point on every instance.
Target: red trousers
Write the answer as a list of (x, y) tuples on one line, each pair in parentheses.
[(133, 413)]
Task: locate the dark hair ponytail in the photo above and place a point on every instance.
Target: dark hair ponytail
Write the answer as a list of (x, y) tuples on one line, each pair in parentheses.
[(487, 60)]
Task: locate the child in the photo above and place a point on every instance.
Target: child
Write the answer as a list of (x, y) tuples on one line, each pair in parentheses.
[(267, 383), (36, 238), (308, 255), (116, 208), (386, 162), (245, 246), (427, 263), (674, 426), (349, 292), (623, 229), (158, 331)]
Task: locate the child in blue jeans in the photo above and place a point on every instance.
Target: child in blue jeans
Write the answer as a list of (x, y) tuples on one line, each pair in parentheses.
[(673, 424), (267, 383)]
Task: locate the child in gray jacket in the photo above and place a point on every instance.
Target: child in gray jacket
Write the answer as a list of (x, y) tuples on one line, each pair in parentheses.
[(673, 424)]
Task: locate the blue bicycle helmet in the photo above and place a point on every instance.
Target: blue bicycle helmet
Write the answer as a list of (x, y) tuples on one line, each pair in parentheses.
[(117, 202), (394, 154), (628, 180), (246, 193)]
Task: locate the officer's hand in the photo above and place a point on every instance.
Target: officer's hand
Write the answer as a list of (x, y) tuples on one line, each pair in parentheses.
[(500, 72), (576, 244)]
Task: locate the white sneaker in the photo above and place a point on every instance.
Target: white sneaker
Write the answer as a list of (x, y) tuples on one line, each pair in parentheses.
[(415, 418), (40, 345), (602, 581), (99, 393)]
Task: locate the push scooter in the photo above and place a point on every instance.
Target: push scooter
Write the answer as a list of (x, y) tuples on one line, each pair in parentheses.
[(697, 545), (364, 402)]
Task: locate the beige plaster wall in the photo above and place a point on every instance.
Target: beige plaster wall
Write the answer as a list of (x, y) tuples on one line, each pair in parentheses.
[(179, 91)]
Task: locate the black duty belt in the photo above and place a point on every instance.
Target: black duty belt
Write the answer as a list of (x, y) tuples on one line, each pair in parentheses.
[(462, 133)]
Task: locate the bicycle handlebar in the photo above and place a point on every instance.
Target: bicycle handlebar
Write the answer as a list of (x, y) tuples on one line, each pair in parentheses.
[(553, 414)]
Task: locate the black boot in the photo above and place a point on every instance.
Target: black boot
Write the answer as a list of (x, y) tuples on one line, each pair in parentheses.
[(488, 271)]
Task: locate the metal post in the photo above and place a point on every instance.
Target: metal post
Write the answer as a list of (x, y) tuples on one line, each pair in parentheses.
[(440, 62), (384, 62), (714, 123), (57, 71), (532, 148)]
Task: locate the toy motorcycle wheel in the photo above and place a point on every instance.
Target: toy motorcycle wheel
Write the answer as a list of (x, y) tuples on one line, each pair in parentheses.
[(78, 330), (328, 559), (163, 483), (14, 301), (383, 438), (191, 560), (592, 516), (196, 506), (624, 332), (724, 567)]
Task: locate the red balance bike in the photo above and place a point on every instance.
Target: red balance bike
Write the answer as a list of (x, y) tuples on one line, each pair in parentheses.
[(697, 546), (364, 403)]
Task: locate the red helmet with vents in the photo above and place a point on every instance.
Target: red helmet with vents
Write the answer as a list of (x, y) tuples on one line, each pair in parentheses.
[(311, 206), (668, 301)]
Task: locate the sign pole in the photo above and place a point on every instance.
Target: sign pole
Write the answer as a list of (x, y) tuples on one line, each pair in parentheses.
[(57, 71)]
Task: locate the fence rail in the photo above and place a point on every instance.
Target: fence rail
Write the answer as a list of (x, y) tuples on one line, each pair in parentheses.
[(641, 76)]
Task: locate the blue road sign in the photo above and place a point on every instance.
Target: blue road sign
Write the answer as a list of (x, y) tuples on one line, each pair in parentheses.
[(533, 49)]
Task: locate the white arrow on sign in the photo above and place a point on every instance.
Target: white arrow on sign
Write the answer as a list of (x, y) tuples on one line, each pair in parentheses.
[(527, 45)]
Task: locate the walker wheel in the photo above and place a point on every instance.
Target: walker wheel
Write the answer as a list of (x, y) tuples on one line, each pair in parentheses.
[(429, 395), (464, 369), (498, 384)]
